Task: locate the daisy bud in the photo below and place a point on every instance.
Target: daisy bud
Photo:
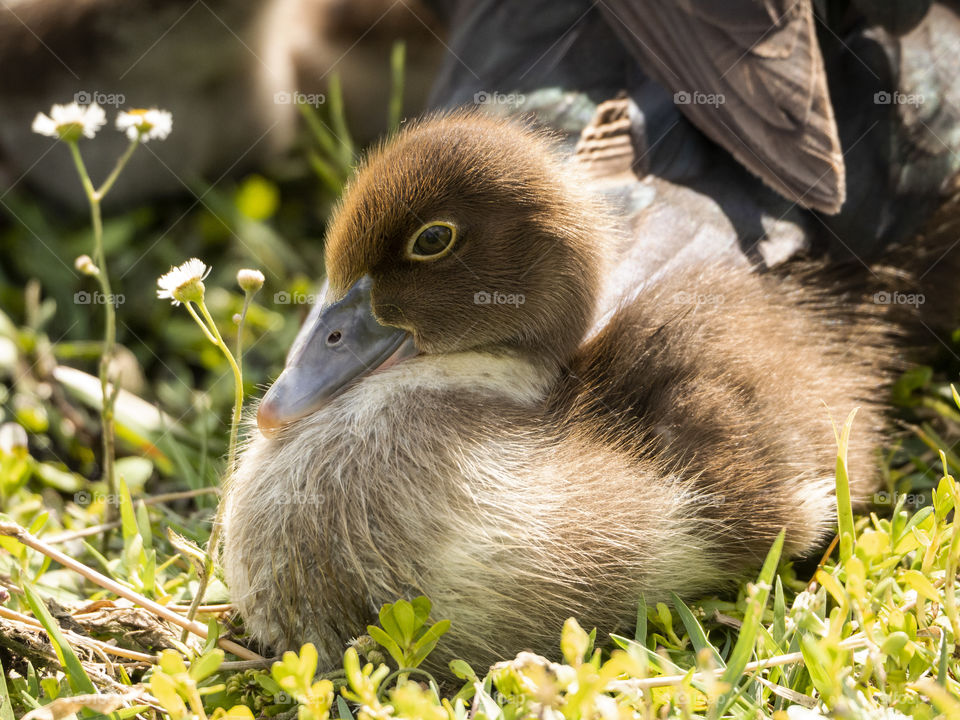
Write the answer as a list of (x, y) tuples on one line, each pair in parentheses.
[(85, 264), (250, 281)]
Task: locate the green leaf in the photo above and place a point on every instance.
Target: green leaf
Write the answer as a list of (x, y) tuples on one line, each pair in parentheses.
[(213, 636), (135, 472), (779, 613), (387, 642), (941, 667), (406, 621), (206, 665), (645, 654), (128, 517), (163, 687), (427, 642), (343, 710), (79, 680), (389, 623), (818, 666), (171, 662), (143, 525), (697, 635), (461, 669), (421, 609), (6, 709), (62, 480)]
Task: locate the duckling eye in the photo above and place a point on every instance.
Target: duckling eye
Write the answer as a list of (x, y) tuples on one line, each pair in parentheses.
[(432, 241)]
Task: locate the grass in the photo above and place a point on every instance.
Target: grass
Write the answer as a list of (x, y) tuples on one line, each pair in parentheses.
[(104, 578)]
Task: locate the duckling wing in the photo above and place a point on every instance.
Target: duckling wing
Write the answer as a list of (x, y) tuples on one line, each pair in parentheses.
[(750, 75)]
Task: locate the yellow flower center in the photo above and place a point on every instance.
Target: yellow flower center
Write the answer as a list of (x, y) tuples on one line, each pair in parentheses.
[(70, 131), (190, 291), (143, 125)]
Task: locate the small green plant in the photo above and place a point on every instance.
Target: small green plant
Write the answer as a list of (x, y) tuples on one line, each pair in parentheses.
[(70, 123), (405, 634), (180, 690), (295, 674), (184, 284)]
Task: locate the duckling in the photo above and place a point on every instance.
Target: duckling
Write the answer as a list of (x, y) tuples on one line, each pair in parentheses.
[(471, 416)]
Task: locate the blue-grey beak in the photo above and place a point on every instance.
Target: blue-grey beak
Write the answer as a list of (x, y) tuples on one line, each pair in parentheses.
[(336, 345)]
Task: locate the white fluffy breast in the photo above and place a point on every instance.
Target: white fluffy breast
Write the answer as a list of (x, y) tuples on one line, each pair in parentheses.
[(507, 378)]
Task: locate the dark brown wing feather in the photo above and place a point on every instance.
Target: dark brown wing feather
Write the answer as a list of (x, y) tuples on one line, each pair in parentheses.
[(750, 75)]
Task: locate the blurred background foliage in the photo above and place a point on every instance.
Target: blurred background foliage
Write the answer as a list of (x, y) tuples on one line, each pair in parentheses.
[(173, 416)]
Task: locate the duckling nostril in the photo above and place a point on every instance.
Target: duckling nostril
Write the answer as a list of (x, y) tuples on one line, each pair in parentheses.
[(334, 338)]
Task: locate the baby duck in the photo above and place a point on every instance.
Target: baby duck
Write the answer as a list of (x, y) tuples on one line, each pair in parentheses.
[(463, 417)]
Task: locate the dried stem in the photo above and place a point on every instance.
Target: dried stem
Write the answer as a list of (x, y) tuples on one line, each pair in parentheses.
[(21, 535)]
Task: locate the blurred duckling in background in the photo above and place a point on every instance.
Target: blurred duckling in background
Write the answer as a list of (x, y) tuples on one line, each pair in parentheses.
[(471, 416)]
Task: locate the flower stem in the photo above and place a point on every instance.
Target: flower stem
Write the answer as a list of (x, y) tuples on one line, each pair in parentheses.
[(118, 168), (209, 328), (237, 388), (247, 297), (110, 314)]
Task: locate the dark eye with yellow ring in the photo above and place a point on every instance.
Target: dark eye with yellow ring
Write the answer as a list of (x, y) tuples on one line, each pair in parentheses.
[(432, 241)]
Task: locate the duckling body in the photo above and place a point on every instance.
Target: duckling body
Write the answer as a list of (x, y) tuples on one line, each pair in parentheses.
[(556, 456)]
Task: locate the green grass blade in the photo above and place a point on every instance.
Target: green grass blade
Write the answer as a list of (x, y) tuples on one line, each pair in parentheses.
[(695, 631), (779, 613), (640, 635), (326, 172), (323, 135), (343, 710), (6, 708), (398, 56), (844, 506), (338, 118), (746, 641), (68, 658)]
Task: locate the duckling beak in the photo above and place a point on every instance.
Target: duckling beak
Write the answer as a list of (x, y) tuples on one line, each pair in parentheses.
[(336, 345)]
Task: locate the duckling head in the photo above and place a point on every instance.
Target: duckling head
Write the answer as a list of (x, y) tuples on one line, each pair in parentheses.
[(463, 233)]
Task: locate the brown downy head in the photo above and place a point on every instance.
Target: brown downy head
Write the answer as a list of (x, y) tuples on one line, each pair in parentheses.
[(462, 233), (458, 208)]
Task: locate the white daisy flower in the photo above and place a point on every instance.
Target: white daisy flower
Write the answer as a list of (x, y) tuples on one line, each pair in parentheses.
[(149, 124), (183, 283), (69, 122)]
